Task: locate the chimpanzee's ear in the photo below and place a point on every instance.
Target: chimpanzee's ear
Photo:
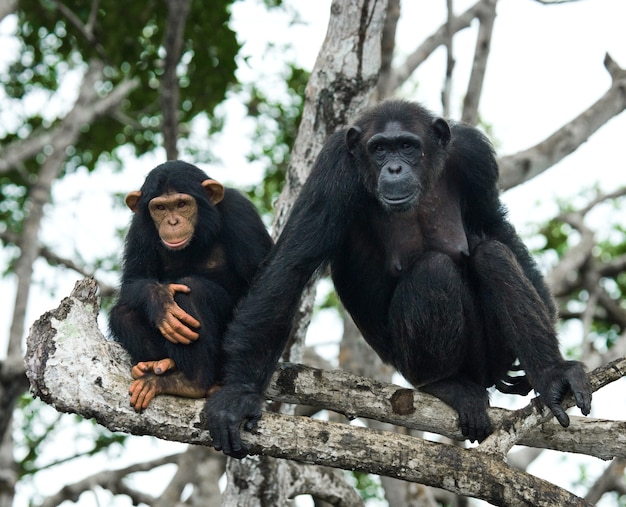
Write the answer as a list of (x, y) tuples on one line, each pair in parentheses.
[(442, 131), (214, 190), (132, 199), (353, 136)]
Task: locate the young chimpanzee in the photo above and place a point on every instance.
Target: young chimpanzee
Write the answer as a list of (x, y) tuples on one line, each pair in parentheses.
[(191, 252), (405, 207)]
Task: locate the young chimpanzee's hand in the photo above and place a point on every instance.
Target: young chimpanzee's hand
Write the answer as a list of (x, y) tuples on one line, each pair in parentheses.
[(177, 325)]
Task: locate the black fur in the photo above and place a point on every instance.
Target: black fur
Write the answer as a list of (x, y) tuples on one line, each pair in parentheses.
[(228, 245), (422, 257)]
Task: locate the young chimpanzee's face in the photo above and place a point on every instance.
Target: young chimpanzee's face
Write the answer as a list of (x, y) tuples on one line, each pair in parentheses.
[(175, 214)]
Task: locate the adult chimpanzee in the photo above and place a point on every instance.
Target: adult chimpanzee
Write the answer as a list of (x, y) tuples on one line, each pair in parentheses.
[(190, 254), (405, 208)]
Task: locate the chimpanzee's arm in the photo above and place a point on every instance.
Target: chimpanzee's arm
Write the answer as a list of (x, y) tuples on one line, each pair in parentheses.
[(473, 162), (244, 235), (258, 333)]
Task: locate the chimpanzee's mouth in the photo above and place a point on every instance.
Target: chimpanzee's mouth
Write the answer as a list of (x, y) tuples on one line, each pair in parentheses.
[(399, 202), (177, 245)]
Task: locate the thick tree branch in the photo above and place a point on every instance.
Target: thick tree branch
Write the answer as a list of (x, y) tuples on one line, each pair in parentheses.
[(415, 410), (71, 366), (520, 167), (341, 85)]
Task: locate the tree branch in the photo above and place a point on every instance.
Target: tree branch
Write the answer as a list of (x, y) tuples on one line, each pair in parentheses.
[(520, 167), (111, 480), (400, 74), (72, 367), (388, 45), (85, 110), (487, 18), (177, 12)]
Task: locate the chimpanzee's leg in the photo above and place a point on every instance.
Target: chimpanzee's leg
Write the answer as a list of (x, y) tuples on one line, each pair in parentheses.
[(516, 319), (141, 340), (432, 328), (426, 320), (197, 364), (519, 324)]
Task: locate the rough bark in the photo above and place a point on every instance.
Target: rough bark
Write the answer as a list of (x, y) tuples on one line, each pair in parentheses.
[(341, 85), (72, 367)]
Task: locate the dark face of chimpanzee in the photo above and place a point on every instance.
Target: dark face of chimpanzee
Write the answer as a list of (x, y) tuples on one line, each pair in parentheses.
[(396, 154), (401, 155)]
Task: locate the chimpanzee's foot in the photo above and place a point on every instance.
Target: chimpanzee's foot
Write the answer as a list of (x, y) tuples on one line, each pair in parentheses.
[(157, 367)]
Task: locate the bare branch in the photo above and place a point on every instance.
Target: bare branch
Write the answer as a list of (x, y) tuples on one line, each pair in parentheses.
[(85, 110), (111, 480), (415, 59), (53, 259), (326, 484), (388, 45), (568, 274), (450, 63), (419, 411), (86, 30), (611, 480), (487, 18), (177, 12), (520, 167)]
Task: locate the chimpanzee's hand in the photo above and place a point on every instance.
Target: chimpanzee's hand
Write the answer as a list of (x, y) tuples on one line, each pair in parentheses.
[(177, 325), (556, 382), (225, 410)]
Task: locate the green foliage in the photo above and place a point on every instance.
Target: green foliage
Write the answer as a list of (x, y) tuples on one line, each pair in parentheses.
[(367, 485), (610, 246), (128, 37), (557, 234)]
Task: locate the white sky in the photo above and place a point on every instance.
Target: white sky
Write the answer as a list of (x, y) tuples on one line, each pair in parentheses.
[(546, 66)]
